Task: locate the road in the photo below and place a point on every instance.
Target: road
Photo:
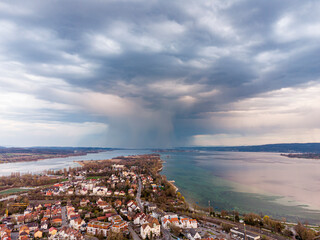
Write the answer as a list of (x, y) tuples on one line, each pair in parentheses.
[(139, 195), (248, 228), (166, 234), (133, 233), (14, 235), (87, 237), (64, 216)]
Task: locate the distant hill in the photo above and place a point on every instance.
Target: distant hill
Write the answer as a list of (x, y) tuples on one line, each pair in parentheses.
[(281, 148), (52, 150), (15, 154)]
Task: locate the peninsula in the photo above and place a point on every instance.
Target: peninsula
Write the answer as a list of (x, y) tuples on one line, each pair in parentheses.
[(10, 155), (125, 198)]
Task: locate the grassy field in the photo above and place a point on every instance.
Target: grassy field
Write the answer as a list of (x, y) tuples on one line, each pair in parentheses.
[(13, 190), (94, 177)]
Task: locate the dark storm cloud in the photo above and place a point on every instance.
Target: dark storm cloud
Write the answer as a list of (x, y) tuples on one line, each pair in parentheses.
[(168, 65)]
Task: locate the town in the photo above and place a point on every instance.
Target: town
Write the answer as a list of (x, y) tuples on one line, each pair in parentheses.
[(121, 198)]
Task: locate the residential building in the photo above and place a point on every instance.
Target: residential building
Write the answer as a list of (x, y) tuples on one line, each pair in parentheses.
[(96, 227)]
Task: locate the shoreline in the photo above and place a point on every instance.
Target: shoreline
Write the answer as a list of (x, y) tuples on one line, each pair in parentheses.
[(83, 163), (80, 163), (297, 209), (46, 158), (171, 182)]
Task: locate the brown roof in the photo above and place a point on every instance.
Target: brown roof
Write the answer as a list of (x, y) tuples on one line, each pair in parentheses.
[(56, 220)]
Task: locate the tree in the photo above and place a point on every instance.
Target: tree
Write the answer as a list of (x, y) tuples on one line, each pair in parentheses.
[(303, 232), (115, 236), (275, 225), (252, 219), (100, 236), (288, 233), (236, 216), (224, 213), (175, 230), (226, 227), (266, 220)]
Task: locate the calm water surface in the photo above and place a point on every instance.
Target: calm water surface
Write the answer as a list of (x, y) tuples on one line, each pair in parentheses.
[(265, 183)]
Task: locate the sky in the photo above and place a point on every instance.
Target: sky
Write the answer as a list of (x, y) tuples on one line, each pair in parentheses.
[(146, 73)]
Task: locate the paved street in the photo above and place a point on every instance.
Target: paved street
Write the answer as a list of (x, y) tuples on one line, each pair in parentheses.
[(166, 234), (15, 235), (248, 228), (64, 216), (139, 195), (86, 237), (133, 233)]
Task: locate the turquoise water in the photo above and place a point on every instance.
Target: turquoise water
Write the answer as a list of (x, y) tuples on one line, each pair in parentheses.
[(265, 183)]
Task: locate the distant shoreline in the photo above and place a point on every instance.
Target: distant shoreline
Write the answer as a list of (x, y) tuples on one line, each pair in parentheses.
[(16, 155), (314, 156), (35, 158)]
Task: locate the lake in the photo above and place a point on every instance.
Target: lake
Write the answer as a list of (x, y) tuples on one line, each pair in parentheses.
[(264, 183)]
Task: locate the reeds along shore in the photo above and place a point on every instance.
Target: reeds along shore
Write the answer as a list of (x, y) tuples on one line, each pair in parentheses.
[(80, 163)]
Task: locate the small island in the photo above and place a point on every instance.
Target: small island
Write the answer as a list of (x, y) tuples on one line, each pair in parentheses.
[(302, 155)]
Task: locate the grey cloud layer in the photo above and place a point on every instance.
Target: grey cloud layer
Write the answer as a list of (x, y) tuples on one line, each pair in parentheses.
[(155, 72)]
